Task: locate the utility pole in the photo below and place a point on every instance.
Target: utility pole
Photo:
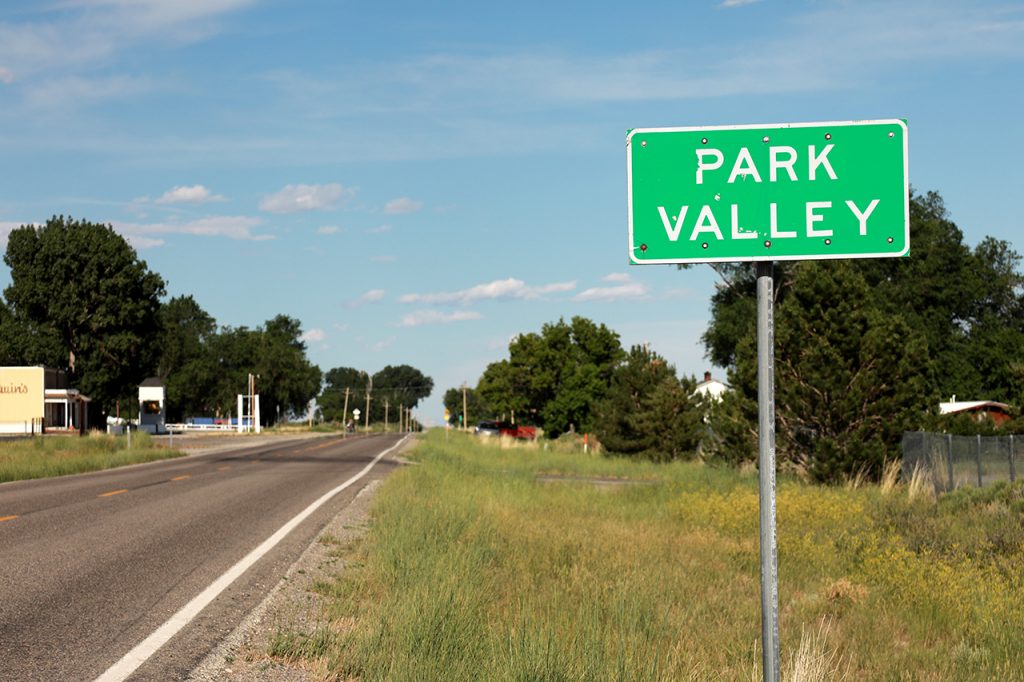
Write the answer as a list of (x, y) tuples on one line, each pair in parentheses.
[(385, 415), (368, 389), (465, 416), (401, 418), (344, 417)]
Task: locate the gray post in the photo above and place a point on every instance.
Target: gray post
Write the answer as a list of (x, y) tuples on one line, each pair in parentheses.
[(1013, 473), (977, 458), (766, 462), (949, 459)]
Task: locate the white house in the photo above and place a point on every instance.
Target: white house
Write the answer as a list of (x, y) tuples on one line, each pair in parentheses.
[(711, 388)]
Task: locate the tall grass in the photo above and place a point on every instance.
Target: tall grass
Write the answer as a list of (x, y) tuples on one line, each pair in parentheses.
[(477, 569), (45, 456)]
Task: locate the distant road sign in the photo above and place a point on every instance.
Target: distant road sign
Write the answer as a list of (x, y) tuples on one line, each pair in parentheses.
[(794, 191)]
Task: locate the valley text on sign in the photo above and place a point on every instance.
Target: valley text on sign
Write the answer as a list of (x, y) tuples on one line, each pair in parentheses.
[(801, 191)]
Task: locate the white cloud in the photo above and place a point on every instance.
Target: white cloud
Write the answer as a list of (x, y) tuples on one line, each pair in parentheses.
[(378, 230), (402, 205), (232, 227), (83, 33), (313, 335), (371, 296), (632, 290), (6, 227), (510, 288), (66, 92), (421, 317), (383, 344), (196, 194), (616, 277), (139, 242), (6, 77), (737, 3), (328, 229), (294, 198)]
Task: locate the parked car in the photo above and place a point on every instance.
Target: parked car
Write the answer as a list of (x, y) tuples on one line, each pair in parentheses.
[(488, 429), (496, 428)]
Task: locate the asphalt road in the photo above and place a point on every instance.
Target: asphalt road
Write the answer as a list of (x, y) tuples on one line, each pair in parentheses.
[(91, 565)]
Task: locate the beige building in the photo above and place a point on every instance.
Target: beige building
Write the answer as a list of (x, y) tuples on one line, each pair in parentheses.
[(37, 400)]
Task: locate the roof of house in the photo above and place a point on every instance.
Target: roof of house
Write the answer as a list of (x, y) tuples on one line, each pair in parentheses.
[(967, 405), (152, 381)]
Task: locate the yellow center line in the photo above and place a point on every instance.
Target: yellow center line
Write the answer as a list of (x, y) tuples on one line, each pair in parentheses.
[(113, 492), (181, 478), (223, 468), (8, 518)]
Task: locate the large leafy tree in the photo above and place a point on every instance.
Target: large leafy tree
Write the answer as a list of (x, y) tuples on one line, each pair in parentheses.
[(83, 284), (554, 378), (274, 353), (23, 342), (288, 381), (185, 364), (397, 386), (332, 398)]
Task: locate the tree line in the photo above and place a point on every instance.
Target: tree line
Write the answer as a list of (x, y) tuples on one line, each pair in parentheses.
[(81, 300), (864, 350), (384, 393)]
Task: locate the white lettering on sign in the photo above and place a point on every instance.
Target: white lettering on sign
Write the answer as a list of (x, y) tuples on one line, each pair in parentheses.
[(744, 166), (701, 166), (814, 221), (775, 164), (773, 221), (706, 223), (672, 231), (813, 217), (737, 231), (820, 160), (712, 159), (863, 217)]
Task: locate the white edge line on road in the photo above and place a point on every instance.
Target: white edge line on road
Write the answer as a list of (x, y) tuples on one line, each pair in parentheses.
[(149, 646)]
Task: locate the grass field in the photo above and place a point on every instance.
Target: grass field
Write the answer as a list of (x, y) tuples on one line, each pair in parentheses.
[(45, 456), (492, 563)]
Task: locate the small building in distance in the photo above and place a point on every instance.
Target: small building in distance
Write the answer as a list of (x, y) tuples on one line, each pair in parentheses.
[(152, 408), (39, 400), (979, 410), (710, 388)]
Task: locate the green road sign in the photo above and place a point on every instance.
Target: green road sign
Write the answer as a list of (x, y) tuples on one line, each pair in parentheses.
[(797, 191)]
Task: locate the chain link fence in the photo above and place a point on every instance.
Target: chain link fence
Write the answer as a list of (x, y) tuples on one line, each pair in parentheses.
[(955, 461)]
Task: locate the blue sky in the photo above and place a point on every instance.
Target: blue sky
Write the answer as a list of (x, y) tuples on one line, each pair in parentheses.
[(418, 182)]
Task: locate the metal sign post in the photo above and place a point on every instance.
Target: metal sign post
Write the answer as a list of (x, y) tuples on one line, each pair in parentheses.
[(766, 466)]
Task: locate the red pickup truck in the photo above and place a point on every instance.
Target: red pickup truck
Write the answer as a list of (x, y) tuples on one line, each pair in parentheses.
[(492, 428)]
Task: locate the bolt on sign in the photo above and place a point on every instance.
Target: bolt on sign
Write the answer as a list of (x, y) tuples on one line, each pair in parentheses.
[(794, 191)]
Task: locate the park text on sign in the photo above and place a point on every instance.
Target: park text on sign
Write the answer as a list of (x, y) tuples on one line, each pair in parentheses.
[(801, 191)]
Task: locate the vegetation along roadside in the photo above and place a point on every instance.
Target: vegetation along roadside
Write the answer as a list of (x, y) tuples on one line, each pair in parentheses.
[(43, 457), (480, 565)]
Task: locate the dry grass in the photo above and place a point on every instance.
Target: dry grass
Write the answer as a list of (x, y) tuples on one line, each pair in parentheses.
[(815, 660), (475, 571), (890, 477), (921, 484)]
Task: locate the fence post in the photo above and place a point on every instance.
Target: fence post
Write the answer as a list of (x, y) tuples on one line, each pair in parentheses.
[(949, 458), (977, 458), (1013, 472)]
